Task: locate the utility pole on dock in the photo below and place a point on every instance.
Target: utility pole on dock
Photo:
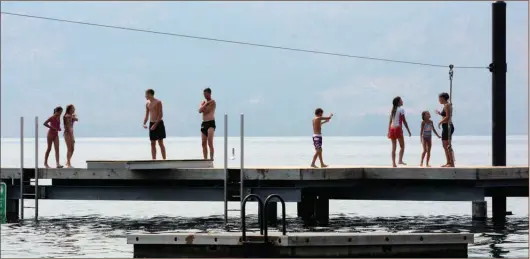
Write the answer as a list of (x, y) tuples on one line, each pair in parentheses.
[(498, 69)]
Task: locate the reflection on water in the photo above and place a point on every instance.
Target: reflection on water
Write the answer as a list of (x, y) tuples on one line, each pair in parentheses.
[(96, 236)]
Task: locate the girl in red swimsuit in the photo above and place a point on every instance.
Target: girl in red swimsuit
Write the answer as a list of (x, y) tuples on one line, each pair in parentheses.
[(54, 125), (395, 130)]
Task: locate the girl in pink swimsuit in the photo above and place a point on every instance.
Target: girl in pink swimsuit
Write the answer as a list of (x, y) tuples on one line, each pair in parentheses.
[(54, 125)]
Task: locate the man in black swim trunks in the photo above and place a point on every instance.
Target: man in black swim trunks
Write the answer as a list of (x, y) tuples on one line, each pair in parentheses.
[(207, 108), (157, 129)]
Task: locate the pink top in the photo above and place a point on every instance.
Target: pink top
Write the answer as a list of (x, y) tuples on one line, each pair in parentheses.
[(55, 123)]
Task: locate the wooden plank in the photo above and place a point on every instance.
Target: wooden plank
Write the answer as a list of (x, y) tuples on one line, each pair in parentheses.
[(285, 173)]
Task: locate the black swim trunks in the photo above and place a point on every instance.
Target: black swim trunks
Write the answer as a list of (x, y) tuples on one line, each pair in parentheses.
[(445, 131), (205, 125), (158, 133)]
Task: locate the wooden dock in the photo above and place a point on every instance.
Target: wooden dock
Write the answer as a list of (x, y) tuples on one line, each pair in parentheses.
[(300, 245), (312, 188)]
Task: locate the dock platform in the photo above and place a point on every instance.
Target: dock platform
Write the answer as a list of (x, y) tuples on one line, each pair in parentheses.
[(300, 245), (311, 188)]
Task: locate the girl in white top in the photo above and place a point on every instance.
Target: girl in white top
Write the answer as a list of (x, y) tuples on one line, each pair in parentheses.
[(395, 130)]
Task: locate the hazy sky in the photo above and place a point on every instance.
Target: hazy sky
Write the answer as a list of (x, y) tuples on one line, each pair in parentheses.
[(104, 72)]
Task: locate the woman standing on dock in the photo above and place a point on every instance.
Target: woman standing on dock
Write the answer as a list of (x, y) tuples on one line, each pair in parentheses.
[(69, 119), (54, 125), (447, 128), (395, 129)]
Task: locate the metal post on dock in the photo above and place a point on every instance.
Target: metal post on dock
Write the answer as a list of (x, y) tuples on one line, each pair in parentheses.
[(498, 69), (21, 168), (36, 168), (242, 158), (226, 167)]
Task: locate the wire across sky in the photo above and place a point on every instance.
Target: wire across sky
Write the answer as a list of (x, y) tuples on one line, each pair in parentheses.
[(236, 42)]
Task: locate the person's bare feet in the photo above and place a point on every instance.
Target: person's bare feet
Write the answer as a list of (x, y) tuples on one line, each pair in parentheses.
[(402, 163), (428, 165), (68, 166), (394, 165), (46, 166), (314, 166), (323, 166), (421, 165)]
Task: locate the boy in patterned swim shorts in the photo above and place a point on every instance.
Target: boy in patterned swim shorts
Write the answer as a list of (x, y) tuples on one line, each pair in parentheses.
[(318, 120)]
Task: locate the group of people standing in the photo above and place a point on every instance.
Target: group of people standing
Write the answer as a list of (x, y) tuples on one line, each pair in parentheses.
[(157, 130), (398, 120), (53, 123)]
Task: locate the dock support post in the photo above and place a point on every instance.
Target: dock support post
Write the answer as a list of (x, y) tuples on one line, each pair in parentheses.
[(322, 210), (21, 203), (242, 160), (479, 210), (272, 213), (225, 164), (498, 208), (36, 168), (498, 70), (12, 209), (306, 207)]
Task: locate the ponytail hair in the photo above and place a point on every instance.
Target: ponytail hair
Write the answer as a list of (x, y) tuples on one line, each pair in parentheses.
[(395, 105)]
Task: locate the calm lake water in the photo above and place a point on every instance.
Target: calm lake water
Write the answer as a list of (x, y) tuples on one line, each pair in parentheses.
[(99, 228)]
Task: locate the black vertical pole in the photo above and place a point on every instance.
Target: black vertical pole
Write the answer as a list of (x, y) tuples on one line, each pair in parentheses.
[(498, 69)]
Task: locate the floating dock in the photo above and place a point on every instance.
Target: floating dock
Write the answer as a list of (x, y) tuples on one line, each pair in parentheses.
[(300, 245)]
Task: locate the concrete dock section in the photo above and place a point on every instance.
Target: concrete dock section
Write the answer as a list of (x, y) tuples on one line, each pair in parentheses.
[(149, 164), (300, 245)]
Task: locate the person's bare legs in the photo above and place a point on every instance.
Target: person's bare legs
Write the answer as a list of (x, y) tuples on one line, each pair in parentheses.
[(451, 154), (394, 152), (211, 133), (321, 160), (424, 144), (314, 158), (401, 150), (204, 141), (153, 149), (68, 148), (446, 151), (162, 148), (429, 145), (69, 140), (48, 149), (56, 148)]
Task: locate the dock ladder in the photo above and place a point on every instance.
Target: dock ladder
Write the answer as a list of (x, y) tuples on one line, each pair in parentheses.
[(231, 183), (26, 190), (256, 247)]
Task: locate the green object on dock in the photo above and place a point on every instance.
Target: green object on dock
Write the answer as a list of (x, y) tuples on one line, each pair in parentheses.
[(3, 197)]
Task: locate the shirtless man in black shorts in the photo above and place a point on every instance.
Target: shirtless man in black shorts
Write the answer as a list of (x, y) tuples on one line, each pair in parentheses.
[(157, 130), (207, 108)]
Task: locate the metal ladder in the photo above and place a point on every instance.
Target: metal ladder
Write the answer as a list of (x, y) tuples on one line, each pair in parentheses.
[(230, 184), (26, 190), (258, 248)]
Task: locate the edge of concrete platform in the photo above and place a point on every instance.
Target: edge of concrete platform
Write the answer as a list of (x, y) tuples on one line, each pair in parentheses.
[(303, 239)]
